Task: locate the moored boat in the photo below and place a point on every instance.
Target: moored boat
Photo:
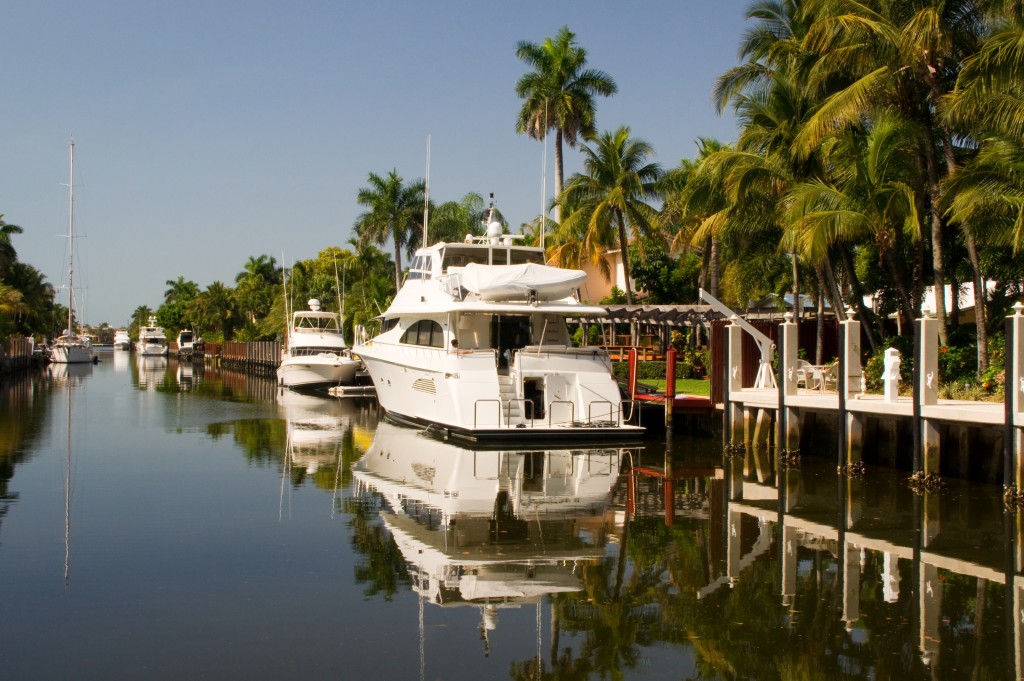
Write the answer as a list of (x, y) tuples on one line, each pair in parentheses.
[(152, 340), (476, 343), (122, 341), (186, 343), (71, 347), (316, 356)]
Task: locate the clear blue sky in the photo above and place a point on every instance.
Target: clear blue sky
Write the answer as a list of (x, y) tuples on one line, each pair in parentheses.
[(208, 131)]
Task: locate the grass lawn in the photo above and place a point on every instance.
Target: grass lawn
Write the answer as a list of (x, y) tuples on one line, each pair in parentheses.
[(684, 386)]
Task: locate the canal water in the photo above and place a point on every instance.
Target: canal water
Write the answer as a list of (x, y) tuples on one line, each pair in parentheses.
[(165, 521)]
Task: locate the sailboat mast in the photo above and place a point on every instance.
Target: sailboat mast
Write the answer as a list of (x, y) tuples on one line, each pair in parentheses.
[(426, 198), (71, 237)]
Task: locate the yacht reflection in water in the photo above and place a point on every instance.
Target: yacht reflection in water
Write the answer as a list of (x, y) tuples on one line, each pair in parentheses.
[(490, 529), (152, 371), (316, 429)]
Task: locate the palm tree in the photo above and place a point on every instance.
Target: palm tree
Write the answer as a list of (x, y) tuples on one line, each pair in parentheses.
[(180, 290), (559, 94), (873, 198), (8, 256), (988, 195), (694, 195), (453, 220), (612, 196), (902, 55), (394, 211), (256, 287)]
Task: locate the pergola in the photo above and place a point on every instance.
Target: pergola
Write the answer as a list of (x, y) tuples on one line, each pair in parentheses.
[(650, 326)]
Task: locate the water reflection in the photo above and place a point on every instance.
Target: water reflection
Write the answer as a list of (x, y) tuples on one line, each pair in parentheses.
[(666, 562), (63, 373), (151, 372), (489, 529), (873, 570)]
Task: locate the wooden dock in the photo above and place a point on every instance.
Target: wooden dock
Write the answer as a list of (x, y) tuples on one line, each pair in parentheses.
[(778, 406)]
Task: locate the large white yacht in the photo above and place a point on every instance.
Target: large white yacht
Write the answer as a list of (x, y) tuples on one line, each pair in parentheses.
[(316, 355), (476, 344), (152, 340)]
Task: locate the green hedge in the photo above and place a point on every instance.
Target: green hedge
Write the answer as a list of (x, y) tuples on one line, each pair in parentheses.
[(655, 370)]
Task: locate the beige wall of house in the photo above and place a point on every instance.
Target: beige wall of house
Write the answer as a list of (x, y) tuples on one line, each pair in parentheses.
[(597, 287)]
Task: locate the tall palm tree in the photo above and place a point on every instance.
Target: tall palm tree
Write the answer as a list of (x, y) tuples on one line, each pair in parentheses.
[(903, 55), (613, 195), (180, 290), (693, 193), (873, 198), (988, 195), (394, 211), (558, 94), (8, 256)]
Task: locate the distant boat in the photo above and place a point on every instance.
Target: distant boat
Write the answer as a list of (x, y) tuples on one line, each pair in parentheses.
[(152, 341), (316, 356), (71, 347), (186, 343), (122, 341)]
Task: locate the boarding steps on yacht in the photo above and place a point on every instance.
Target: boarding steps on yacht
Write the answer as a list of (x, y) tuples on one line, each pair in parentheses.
[(511, 405)]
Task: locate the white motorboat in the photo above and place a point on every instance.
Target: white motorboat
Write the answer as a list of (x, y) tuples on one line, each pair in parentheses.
[(476, 342), (316, 355), (122, 341), (152, 340), (71, 347), (186, 342)]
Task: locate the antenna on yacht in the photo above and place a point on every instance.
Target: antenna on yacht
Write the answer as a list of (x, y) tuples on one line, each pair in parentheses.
[(491, 225), (426, 197)]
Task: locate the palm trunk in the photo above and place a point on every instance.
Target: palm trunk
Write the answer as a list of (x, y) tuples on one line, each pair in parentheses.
[(832, 288), (797, 307), (819, 351), (906, 302), (938, 271), (559, 175), (980, 318), (624, 246), (398, 266), (705, 267), (715, 260), (980, 315), (858, 299)]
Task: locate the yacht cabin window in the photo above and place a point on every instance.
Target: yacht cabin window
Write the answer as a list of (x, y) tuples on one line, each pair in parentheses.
[(425, 332), (420, 268)]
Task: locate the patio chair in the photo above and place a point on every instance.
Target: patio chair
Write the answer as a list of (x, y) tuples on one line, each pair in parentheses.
[(830, 377), (806, 375)]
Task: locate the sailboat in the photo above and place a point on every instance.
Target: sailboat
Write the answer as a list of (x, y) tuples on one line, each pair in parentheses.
[(70, 347)]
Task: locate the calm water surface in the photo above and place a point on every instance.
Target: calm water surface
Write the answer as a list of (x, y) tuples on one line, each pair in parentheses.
[(160, 521)]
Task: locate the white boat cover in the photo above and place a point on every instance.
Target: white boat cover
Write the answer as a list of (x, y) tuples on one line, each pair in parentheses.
[(508, 282)]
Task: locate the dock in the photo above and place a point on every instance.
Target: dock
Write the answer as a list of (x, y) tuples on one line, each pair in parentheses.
[(772, 411)]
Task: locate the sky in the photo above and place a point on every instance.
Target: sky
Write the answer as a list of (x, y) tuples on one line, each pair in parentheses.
[(210, 131)]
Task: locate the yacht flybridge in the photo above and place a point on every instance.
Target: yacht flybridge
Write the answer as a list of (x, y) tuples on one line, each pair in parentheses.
[(475, 344)]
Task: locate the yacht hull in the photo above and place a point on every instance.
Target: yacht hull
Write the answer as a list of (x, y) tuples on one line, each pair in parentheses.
[(151, 349), (70, 354), (316, 372), (463, 396)]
